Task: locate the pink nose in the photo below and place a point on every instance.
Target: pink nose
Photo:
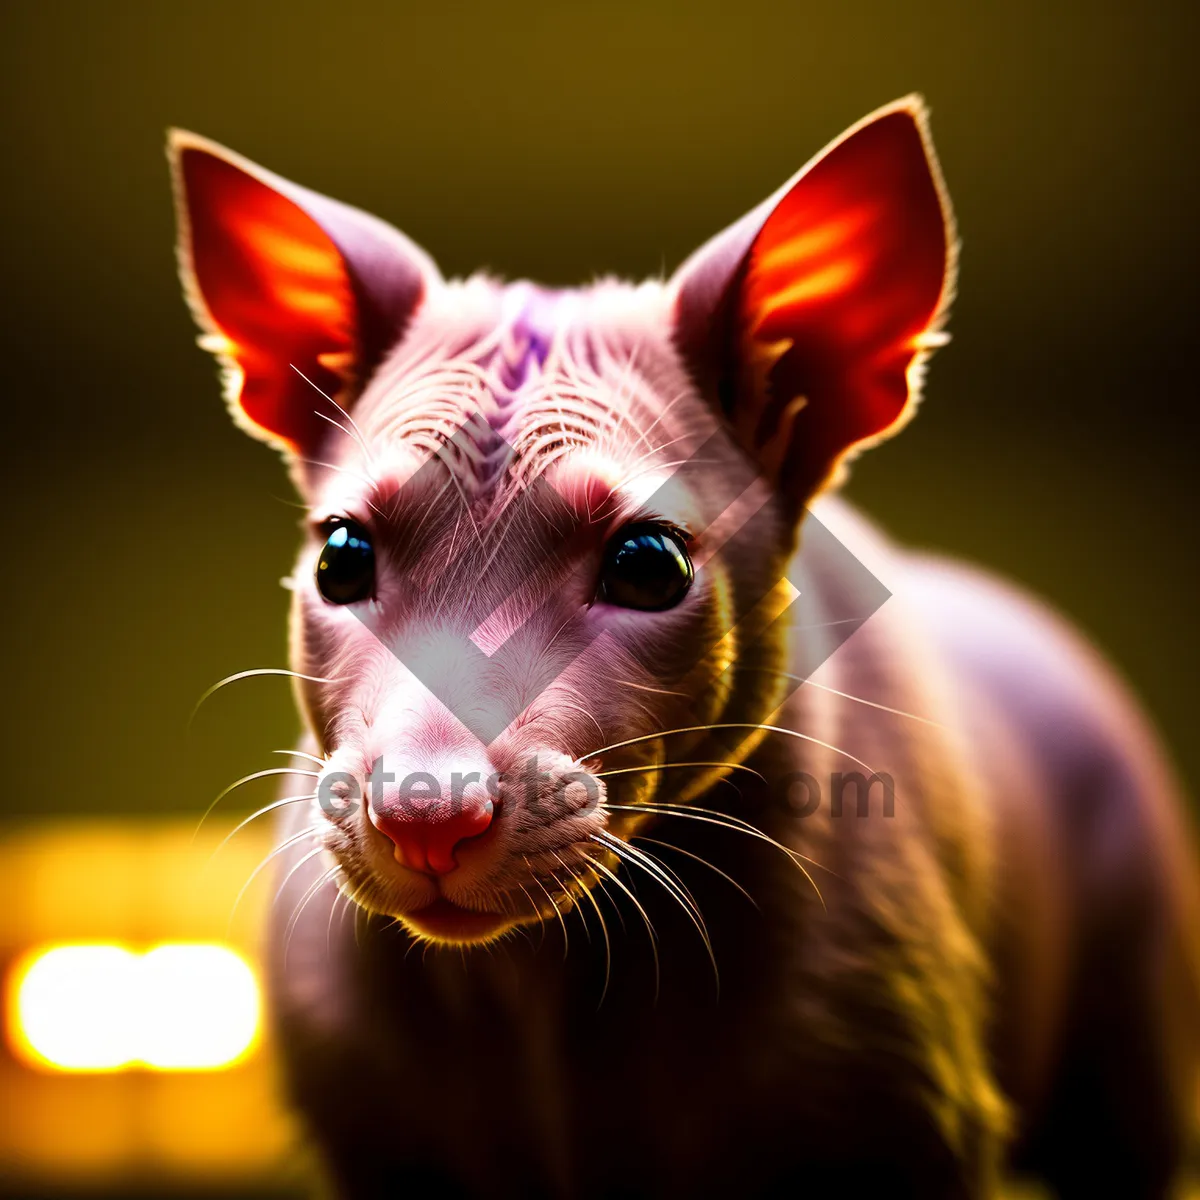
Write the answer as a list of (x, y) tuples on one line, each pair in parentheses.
[(427, 827)]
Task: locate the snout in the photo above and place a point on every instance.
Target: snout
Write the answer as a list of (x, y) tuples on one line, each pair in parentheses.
[(427, 814), (477, 832)]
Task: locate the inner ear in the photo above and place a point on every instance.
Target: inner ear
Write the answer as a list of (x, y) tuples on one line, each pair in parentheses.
[(809, 319), (274, 293), (297, 294)]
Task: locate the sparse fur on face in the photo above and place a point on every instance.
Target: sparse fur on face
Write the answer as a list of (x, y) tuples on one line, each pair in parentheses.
[(537, 408), (464, 424), (567, 639)]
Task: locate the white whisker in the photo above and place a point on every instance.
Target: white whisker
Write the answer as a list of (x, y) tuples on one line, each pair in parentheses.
[(804, 737), (237, 783), (645, 919), (312, 831), (656, 871), (258, 672), (312, 758), (672, 766), (587, 891), (726, 822), (262, 812), (641, 837)]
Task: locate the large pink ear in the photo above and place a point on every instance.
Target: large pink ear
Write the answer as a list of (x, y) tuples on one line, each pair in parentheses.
[(283, 280), (808, 320)]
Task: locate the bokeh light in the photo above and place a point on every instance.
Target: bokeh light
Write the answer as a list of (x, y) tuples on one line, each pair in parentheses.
[(178, 1007)]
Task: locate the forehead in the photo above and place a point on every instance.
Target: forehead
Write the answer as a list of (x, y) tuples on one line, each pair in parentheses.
[(497, 389)]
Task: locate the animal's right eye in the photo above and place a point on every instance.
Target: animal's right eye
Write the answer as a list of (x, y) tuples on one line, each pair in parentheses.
[(346, 568), (646, 566)]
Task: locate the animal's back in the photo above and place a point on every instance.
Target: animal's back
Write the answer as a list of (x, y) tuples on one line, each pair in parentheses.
[(1099, 1011), (1085, 897)]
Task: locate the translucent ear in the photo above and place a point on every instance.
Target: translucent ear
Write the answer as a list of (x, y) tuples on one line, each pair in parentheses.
[(808, 320), (282, 280)]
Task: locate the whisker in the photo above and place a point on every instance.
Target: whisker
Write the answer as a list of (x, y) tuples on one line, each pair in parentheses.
[(733, 824), (603, 928), (290, 872), (312, 831), (294, 921), (557, 911), (675, 877), (290, 503), (830, 624), (262, 812), (501, 942), (672, 766), (665, 410), (632, 465), (587, 930), (643, 687), (312, 758), (550, 644), (237, 783), (554, 905), (333, 909), (499, 534), (804, 737), (350, 905), (604, 892), (350, 420), (537, 912), (257, 672), (740, 823), (349, 433), (640, 837), (645, 919), (655, 870), (808, 682)]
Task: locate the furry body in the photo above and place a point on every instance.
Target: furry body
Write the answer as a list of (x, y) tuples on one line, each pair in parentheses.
[(995, 966), (1005, 960)]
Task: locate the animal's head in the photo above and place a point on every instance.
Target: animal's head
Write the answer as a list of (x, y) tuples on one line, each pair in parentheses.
[(541, 523)]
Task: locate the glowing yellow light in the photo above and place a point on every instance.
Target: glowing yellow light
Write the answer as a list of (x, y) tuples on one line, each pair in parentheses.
[(201, 1007), (179, 1007), (72, 1007)]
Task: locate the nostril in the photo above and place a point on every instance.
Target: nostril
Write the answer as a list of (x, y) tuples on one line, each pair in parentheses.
[(426, 840)]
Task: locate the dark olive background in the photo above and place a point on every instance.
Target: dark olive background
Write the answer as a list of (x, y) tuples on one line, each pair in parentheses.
[(144, 538)]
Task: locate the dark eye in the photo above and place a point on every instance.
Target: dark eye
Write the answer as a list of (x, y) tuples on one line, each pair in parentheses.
[(346, 568), (646, 567)]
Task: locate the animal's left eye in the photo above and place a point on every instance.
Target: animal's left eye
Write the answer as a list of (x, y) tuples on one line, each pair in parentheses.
[(346, 568), (646, 567)]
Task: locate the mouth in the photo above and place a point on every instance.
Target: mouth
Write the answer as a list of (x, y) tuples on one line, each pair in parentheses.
[(445, 921)]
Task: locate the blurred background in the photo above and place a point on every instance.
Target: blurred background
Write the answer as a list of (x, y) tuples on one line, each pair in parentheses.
[(146, 538)]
